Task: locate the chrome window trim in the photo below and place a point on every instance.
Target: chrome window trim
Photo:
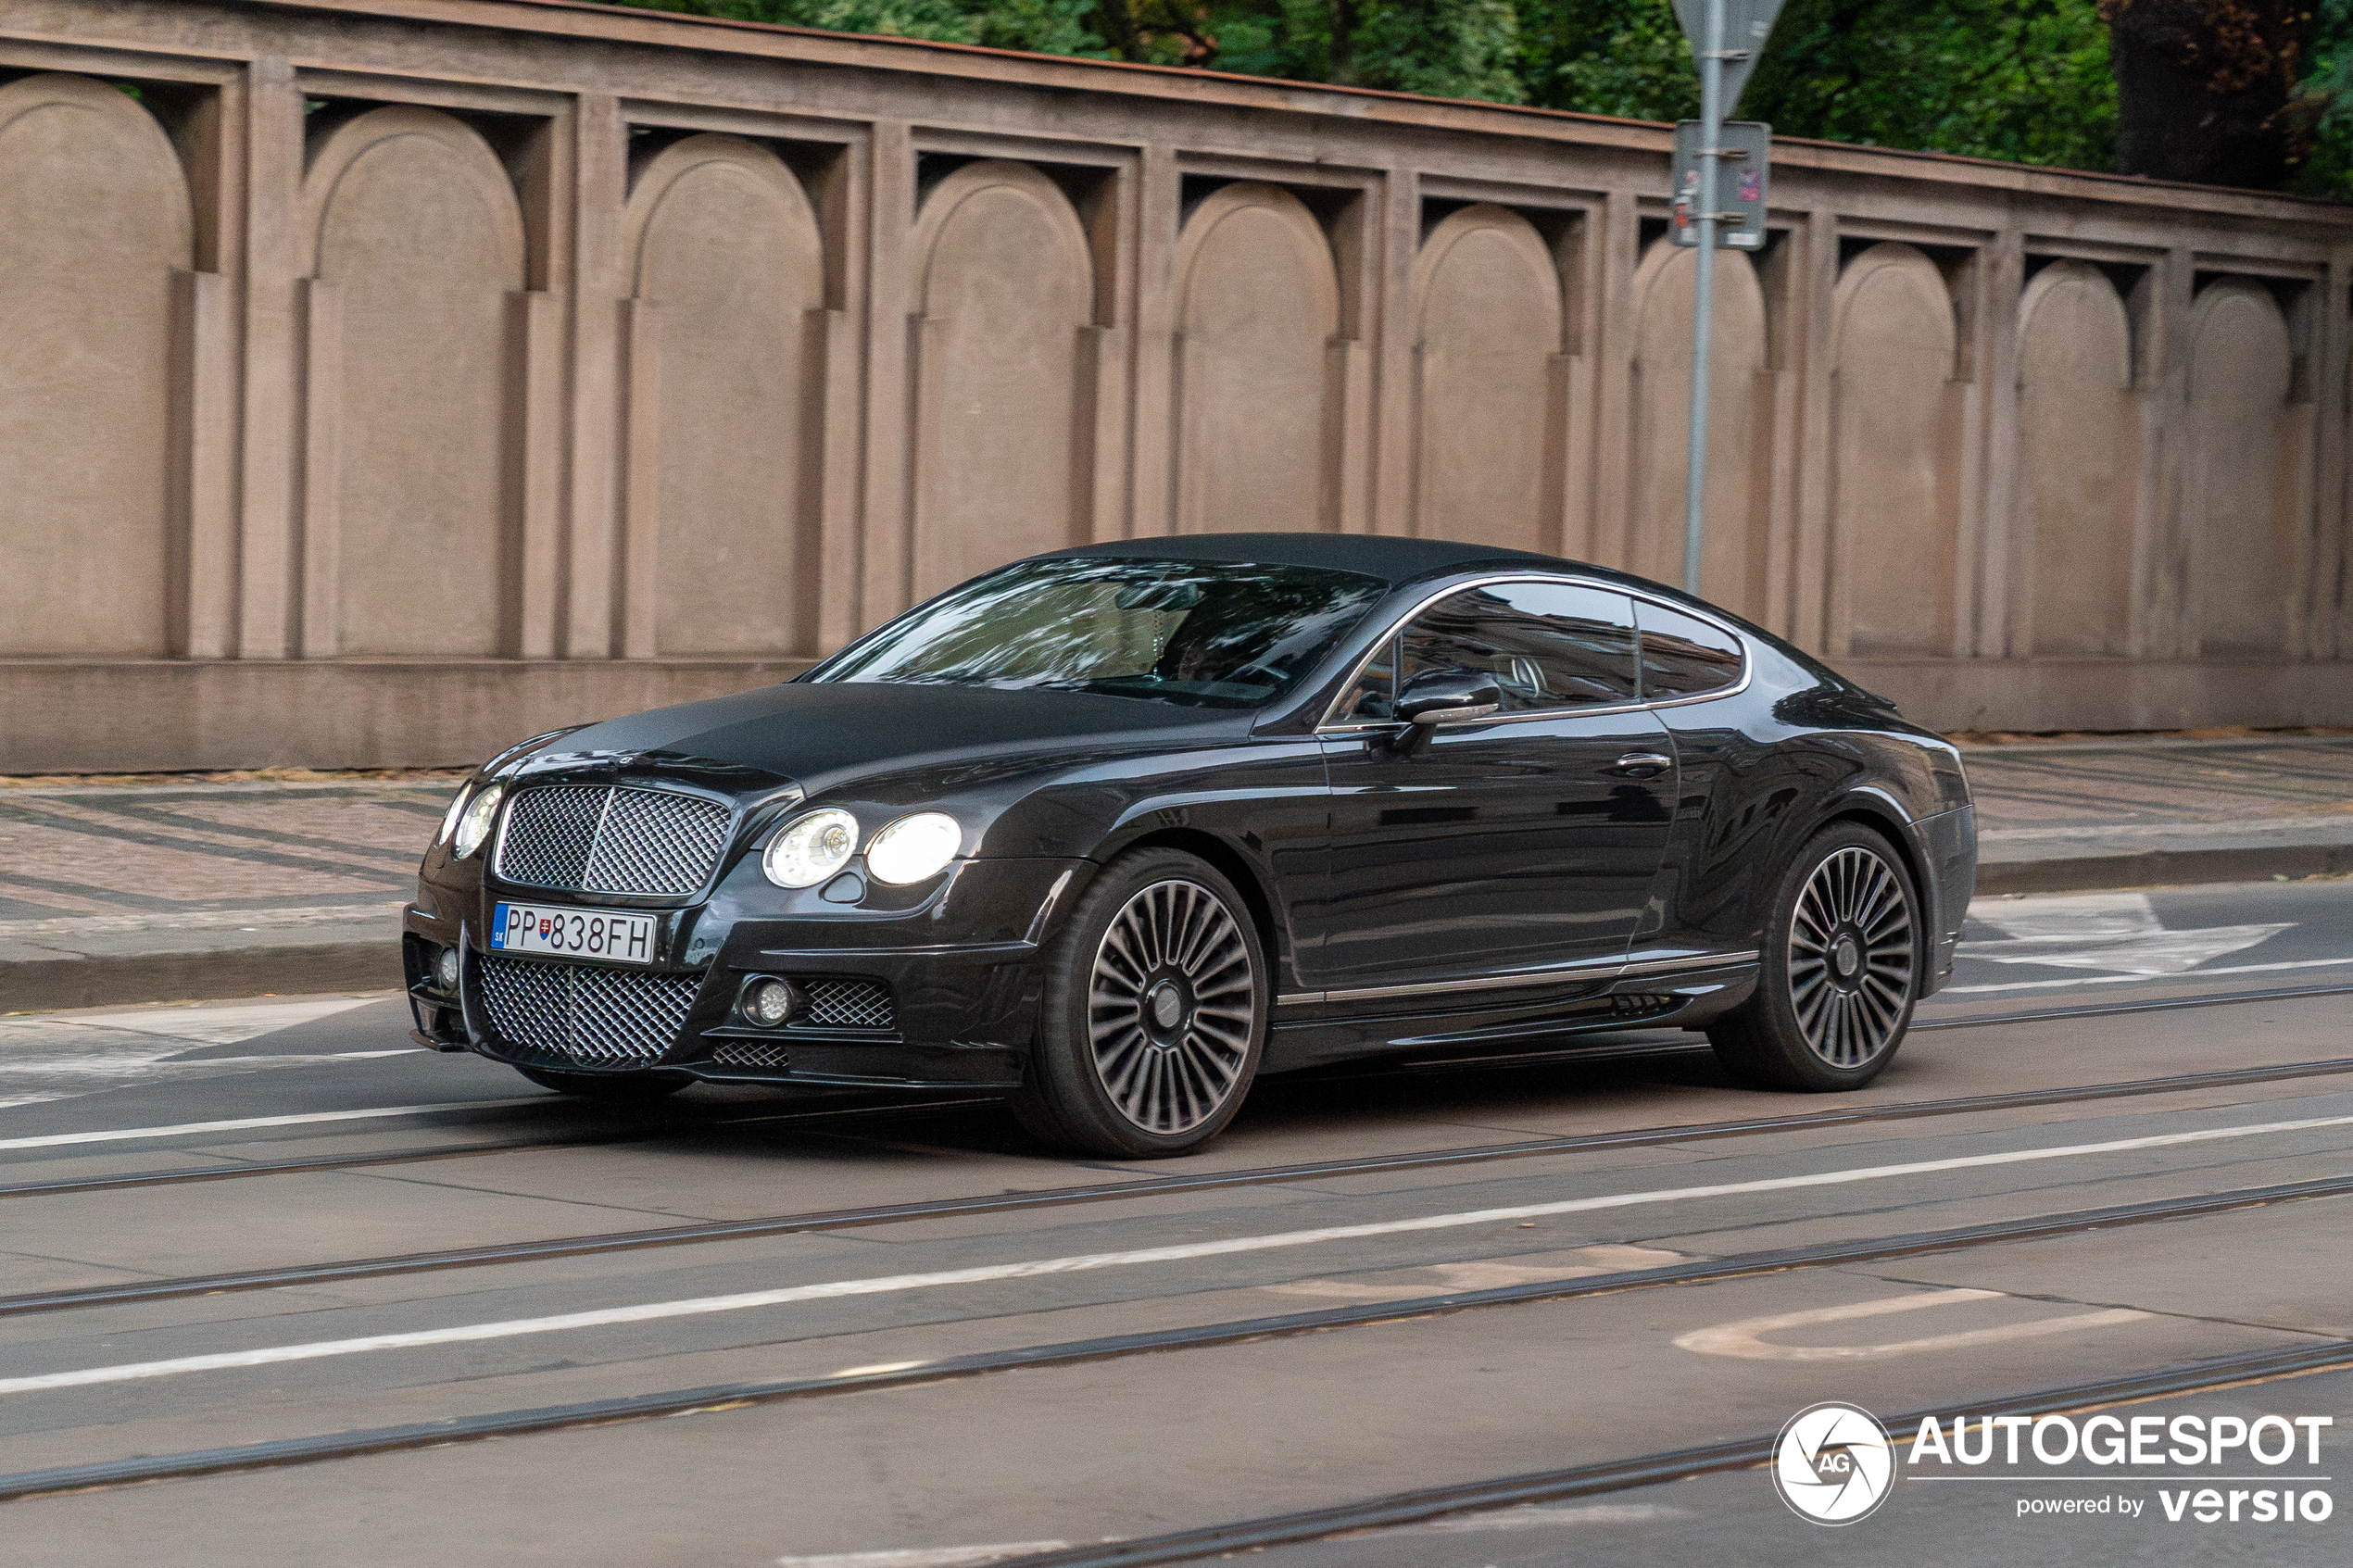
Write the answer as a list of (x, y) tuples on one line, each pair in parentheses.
[(1596, 969), (1330, 725)]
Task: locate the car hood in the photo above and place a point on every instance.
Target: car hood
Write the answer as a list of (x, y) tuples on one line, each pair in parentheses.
[(820, 735)]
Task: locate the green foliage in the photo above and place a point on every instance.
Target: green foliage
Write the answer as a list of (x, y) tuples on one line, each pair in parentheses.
[(2021, 79), (1623, 58), (2328, 92)]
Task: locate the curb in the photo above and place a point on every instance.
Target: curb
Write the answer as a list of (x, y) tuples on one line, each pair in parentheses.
[(2154, 867), (104, 979)]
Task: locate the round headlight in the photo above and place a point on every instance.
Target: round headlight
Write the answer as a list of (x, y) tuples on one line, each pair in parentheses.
[(914, 847), (474, 823), (808, 850), (449, 818)]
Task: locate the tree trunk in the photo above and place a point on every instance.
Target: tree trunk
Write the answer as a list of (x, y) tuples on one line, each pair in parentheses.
[(2206, 88)]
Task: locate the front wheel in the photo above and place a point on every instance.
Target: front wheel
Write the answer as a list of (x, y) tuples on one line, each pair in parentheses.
[(1839, 971), (1154, 1013)]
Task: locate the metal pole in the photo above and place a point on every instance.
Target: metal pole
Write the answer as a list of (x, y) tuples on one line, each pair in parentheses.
[(1711, 133)]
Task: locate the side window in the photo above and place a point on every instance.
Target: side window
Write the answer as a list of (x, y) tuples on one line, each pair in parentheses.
[(1683, 656), (1548, 645)]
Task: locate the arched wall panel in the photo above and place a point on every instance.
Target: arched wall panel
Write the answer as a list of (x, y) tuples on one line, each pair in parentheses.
[(2239, 531), (729, 270), (418, 237), (1005, 290), (2078, 459), (1732, 561), (1487, 331), (93, 221), (1257, 312), (1893, 534)]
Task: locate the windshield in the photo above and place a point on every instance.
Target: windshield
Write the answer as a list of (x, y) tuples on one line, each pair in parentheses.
[(1201, 633)]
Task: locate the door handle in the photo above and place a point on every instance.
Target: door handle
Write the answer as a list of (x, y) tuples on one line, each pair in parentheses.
[(1642, 764)]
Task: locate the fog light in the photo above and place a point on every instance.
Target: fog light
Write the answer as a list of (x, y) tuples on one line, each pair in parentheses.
[(769, 1003), (444, 970)]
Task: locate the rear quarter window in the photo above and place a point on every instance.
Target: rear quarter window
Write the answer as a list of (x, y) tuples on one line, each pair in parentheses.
[(1683, 656)]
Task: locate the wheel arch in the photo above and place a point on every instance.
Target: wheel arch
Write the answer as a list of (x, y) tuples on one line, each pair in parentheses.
[(1249, 879), (1882, 817)]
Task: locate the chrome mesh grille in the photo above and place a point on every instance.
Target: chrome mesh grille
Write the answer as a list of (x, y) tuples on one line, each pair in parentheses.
[(605, 840), (846, 1004), (750, 1053), (577, 1012), (548, 835)]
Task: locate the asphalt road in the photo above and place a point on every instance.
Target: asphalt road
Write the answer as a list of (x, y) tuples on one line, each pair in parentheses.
[(384, 1251)]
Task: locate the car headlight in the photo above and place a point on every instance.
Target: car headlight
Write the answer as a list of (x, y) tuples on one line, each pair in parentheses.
[(449, 818), (808, 850), (914, 847), (474, 823)]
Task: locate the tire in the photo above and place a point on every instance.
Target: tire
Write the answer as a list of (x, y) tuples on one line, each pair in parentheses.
[(613, 1088), (1154, 1014), (1814, 1025)]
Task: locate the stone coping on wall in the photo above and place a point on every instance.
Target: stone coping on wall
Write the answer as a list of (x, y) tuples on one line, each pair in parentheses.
[(583, 19)]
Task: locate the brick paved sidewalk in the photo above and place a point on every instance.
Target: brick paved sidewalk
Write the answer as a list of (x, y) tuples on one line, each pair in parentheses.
[(122, 891), (117, 892), (2059, 815)]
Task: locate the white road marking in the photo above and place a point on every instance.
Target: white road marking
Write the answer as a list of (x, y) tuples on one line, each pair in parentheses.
[(1742, 1339), (2129, 979), (1531, 1517), (652, 1311), (2111, 931), (1440, 1279), (64, 1056), (113, 1134), (219, 1026), (925, 1556)]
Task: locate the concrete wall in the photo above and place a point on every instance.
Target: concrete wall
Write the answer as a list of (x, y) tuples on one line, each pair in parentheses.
[(384, 379)]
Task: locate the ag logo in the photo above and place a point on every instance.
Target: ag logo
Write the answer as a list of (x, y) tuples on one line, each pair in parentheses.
[(1833, 1464)]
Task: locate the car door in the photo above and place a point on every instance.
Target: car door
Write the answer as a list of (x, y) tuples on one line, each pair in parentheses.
[(1529, 839)]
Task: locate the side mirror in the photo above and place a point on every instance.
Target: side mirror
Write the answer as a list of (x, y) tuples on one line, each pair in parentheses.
[(1435, 696)]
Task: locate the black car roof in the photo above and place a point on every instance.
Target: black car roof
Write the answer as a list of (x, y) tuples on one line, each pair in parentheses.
[(1384, 556)]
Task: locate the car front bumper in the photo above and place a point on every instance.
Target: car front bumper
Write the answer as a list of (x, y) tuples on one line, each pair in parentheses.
[(939, 994)]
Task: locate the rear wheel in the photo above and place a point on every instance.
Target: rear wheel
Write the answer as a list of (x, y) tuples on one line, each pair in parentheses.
[(1154, 1012), (617, 1089), (1839, 972)]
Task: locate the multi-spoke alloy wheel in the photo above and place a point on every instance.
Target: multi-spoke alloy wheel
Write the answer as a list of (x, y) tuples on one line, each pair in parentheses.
[(1850, 958), (1173, 1006), (1839, 971), (1154, 1012)]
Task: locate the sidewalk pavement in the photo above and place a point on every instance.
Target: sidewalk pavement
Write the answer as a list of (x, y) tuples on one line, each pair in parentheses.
[(179, 888)]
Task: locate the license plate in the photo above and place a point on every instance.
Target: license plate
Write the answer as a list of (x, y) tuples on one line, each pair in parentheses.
[(575, 934)]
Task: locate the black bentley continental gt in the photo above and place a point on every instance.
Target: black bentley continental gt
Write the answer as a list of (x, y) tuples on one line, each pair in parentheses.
[(1114, 830)]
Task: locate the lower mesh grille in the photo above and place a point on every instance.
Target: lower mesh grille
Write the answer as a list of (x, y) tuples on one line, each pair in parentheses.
[(750, 1053), (578, 1013), (846, 1004)]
